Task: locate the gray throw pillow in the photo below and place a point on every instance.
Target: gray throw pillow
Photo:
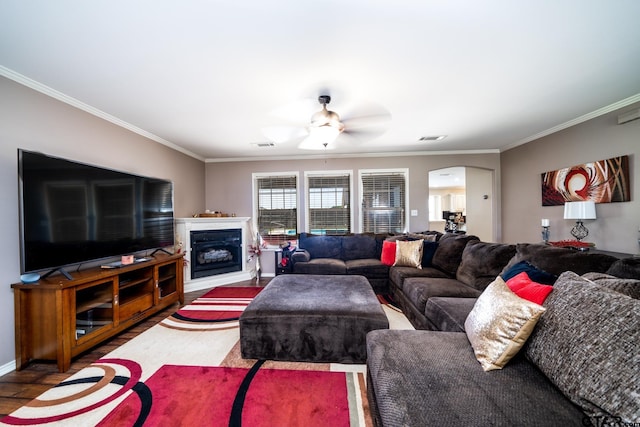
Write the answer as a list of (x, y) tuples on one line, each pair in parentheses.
[(586, 343), (628, 287)]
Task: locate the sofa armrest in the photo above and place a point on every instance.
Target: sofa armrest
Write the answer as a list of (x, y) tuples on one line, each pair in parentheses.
[(300, 255)]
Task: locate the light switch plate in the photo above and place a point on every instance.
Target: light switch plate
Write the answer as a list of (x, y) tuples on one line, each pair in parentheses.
[(414, 212)]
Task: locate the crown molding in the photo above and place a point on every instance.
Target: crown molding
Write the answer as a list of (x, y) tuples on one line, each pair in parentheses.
[(46, 90), (592, 115), (352, 155)]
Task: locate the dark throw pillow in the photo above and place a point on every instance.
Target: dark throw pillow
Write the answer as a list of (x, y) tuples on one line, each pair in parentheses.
[(428, 250), (534, 273)]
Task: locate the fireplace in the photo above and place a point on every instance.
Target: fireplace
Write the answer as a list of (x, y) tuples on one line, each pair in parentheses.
[(215, 252), (206, 265)]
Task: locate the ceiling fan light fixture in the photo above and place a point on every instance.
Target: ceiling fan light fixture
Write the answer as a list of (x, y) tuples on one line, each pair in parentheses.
[(326, 118), (320, 138)]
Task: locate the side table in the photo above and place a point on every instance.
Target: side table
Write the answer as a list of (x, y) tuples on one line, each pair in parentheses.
[(281, 269)]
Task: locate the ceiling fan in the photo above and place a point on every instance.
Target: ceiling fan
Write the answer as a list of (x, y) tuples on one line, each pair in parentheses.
[(326, 129)]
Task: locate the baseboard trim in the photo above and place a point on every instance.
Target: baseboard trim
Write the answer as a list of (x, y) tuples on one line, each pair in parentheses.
[(7, 368)]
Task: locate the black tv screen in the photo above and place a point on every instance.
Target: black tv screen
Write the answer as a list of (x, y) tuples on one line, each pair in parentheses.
[(71, 213)]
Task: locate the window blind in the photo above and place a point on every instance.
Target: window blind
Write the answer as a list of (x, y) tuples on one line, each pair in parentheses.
[(277, 208), (383, 202), (329, 204)]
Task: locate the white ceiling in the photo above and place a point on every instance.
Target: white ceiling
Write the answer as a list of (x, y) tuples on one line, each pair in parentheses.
[(207, 76)]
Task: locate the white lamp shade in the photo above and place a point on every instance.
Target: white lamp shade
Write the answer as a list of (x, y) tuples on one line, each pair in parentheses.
[(580, 210)]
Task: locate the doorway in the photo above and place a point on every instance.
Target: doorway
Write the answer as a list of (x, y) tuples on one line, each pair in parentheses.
[(461, 200)]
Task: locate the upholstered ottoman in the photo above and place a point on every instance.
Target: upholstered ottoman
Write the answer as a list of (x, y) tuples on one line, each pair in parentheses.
[(311, 318)]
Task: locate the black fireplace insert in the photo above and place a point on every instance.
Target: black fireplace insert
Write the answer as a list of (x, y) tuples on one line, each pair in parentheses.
[(215, 252)]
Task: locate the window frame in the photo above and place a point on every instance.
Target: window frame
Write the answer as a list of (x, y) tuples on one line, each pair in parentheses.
[(327, 173), (391, 171), (262, 175)]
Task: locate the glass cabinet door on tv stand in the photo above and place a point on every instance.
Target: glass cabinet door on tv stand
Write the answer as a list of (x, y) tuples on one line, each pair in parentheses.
[(93, 308)]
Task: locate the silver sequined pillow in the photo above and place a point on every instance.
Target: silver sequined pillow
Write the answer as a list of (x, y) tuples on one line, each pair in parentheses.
[(499, 324)]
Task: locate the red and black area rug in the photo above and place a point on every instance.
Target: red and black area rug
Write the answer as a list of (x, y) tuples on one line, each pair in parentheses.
[(187, 371)]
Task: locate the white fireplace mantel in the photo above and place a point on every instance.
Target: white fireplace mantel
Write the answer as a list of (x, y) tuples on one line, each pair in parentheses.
[(184, 226)]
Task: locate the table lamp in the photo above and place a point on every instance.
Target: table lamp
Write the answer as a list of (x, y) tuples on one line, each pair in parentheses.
[(580, 211)]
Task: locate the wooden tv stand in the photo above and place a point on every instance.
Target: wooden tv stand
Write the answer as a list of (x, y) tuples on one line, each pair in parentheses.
[(57, 319)]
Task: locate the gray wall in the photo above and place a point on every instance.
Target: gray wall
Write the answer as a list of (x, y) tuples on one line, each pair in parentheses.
[(229, 185), (33, 121), (616, 226)]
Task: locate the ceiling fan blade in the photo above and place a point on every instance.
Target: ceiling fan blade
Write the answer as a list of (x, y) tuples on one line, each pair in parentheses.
[(365, 115), (359, 137), (364, 135)]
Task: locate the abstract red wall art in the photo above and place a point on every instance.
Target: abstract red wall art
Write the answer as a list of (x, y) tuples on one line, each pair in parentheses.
[(604, 181)]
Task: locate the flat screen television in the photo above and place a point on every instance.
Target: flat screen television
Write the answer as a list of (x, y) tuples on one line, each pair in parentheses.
[(72, 213)]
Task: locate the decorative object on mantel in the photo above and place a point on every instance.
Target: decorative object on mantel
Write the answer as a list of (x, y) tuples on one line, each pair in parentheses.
[(579, 211), (209, 214), (545, 230), (573, 244), (604, 181)]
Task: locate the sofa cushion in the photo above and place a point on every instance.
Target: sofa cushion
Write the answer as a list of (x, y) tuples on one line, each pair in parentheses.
[(320, 246), (628, 287), (398, 274), (409, 253), (526, 288), (418, 290), (426, 378), (534, 273), (320, 266), (556, 260), (586, 343), (627, 268), (371, 268), (427, 237), (359, 246), (448, 314), (482, 262), (499, 325), (448, 255)]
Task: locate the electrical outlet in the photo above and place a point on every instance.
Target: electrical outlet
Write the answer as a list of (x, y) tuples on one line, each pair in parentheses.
[(414, 212)]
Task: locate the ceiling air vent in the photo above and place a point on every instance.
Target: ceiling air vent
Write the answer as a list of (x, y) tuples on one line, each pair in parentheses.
[(629, 116), (264, 144), (432, 138)]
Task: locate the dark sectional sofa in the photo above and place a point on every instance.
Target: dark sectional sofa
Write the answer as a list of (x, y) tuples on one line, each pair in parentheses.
[(357, 254), (578, 367)]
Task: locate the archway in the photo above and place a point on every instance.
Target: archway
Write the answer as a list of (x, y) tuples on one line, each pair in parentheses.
[(461, 199)]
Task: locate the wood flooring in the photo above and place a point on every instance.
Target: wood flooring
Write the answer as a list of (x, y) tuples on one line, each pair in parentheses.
[(19, 387)]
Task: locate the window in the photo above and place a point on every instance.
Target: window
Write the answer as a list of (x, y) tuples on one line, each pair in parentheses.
[(328, 202), (276, 206), (384, 201)]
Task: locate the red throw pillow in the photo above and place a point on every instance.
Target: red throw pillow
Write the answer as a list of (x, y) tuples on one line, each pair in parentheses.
[(388, 256), (526, 288)]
